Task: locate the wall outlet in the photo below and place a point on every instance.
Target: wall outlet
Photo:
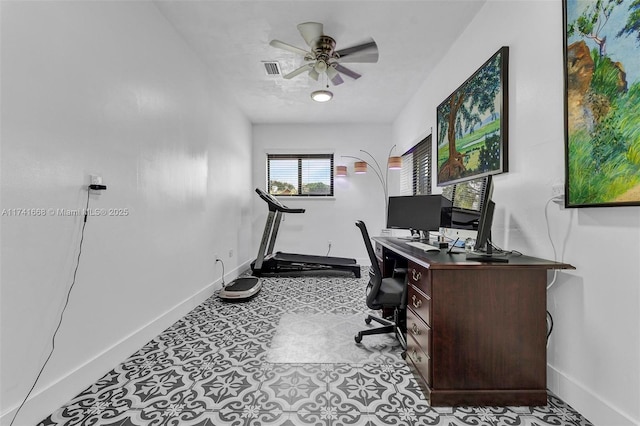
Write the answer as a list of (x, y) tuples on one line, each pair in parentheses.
[(216, 257), (231, 253), (557, 190), (95, 179)]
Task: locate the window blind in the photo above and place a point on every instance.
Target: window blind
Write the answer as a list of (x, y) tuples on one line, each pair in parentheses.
[(415, 176), (300, 174)]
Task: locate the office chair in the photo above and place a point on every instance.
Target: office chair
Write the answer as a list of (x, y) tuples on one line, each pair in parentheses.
[(389, 293)]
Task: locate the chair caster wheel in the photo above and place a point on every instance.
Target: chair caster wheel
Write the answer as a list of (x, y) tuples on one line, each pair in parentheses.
[(367, 320), (358, 338)]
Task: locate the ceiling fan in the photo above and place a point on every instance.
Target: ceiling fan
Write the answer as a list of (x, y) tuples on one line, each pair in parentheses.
[(323, 58)]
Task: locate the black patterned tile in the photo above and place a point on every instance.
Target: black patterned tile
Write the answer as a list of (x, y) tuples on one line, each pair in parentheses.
[(158, 385), (250, 417), (227, 387), (558, 413), (185, 407), (361, 394), (320, 404), (408, 417), (329, 373), (290, 397), (92, 408), (241, 351), (215, 366), (490, 416), (330, 416), (138, 366), (395, 373), (172, 414)]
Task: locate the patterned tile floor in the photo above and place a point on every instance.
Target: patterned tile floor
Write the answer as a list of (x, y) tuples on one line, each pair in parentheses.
[(286, 357)]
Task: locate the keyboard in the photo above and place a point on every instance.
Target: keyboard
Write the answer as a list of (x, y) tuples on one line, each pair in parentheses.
[(423, 246)]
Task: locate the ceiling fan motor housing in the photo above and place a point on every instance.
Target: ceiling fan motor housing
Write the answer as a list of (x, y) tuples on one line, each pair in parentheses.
[(324, 47)]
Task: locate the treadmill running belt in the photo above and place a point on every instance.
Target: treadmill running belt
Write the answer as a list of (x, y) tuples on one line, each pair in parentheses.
[(305, 258)]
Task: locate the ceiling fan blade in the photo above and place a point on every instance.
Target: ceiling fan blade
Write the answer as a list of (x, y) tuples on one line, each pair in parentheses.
[(366, 52), (286, 46), (347, 72), (310, 31), (334, 76), (300, 70)]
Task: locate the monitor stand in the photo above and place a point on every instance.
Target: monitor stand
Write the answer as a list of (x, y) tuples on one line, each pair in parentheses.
[(415, 234), (483, 257), (488, 256)]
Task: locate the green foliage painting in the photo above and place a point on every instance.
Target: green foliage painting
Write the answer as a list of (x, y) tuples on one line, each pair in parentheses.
[(602, 102), (472, 125)]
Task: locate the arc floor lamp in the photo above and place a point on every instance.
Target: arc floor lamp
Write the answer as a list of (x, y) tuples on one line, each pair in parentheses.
[(361, 166)]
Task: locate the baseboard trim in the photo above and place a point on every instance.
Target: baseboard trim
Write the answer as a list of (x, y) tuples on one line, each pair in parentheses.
[(45, 401), (596, 409)]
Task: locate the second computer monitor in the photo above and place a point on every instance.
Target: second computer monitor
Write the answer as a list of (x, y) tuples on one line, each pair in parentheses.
[(418, 212)]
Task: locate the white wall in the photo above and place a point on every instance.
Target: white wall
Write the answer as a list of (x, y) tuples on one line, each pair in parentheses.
[(109, 88), (356, 196), (594, 352)]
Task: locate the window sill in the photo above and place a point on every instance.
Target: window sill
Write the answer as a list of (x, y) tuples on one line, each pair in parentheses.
[(284, 198)]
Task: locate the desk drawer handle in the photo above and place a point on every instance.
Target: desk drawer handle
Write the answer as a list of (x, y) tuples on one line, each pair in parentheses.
[(416, 275), (415, 329), (417, 358), (416, 302)]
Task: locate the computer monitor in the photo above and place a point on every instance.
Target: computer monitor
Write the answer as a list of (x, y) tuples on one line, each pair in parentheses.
[(417, 212), (483, 240), (464, 202)]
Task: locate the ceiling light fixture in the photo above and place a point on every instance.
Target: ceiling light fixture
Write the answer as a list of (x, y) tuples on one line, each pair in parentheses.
[(321, 95)]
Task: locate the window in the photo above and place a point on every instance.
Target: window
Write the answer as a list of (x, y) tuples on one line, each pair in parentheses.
[(301, 175), (415, 176)]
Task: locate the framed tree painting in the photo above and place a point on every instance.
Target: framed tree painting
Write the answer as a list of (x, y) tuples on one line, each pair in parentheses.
[(472, 124), (602, 102)]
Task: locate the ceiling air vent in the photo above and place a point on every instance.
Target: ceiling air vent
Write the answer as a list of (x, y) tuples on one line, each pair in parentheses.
[(272, 68)]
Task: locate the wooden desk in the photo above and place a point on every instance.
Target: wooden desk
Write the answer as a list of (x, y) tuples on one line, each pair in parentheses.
[(476, 332)]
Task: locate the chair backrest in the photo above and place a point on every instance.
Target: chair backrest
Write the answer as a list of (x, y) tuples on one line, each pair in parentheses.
[(375, 276)]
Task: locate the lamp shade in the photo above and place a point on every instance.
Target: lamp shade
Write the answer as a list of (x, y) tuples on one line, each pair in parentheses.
[(395, 163), (341, 170), (360, 167)]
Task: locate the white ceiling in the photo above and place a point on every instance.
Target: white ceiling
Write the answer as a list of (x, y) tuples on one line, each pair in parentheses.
[(232, 38)]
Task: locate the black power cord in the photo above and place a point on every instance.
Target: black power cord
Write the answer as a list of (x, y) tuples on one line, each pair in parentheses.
[(220, 260), (550, 325), (73, 282)]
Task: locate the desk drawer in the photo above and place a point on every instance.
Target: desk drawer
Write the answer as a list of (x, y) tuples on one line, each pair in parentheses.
[(419, 359), (420, 331), (419, 303), (420, 277)]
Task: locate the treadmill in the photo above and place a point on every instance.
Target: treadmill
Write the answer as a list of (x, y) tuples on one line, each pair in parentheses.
[(268, 262)]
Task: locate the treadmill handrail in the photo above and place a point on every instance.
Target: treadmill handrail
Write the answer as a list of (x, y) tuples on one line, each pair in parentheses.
[(274, 204)]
